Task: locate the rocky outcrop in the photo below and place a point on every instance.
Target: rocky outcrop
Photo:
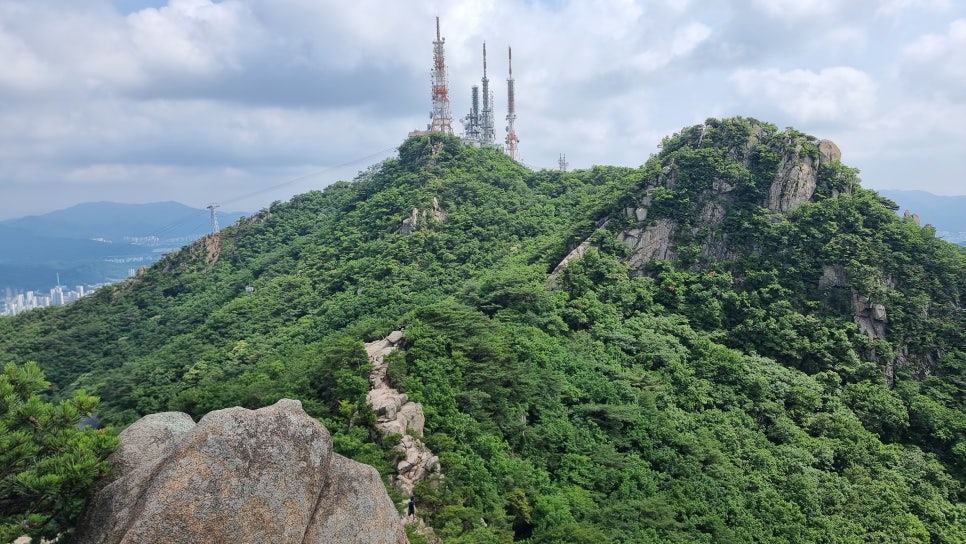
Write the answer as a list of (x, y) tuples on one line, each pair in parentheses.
[(410, 223), (833, 275), (651, 242), (395, 414), (576, 253), (261, 476), (912, 217), (870, 316), (797, 176)]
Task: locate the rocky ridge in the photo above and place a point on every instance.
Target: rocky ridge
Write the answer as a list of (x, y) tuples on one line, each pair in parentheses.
[(397, 415), (795, 182)]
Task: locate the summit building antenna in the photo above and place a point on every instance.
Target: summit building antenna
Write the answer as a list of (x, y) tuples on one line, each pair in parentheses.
[(511, 114)]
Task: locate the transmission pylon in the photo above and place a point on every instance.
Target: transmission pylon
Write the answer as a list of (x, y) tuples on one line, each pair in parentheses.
[(511, 114), (214, 218), (562, 162)]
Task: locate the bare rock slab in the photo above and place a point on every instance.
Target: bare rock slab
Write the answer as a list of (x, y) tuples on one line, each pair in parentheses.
[(254, 476)]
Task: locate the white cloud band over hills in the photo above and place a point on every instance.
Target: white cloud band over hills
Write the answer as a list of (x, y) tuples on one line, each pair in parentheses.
[(202, 101)]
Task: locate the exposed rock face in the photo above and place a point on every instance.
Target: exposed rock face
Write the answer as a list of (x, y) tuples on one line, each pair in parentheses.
[(239, 475), (576, 253), (870, 317), (797, 176), (651, 242), (833, 275), (410, 223), (395, 414), (913, 216)]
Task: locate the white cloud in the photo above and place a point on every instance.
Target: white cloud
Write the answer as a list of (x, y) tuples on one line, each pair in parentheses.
[(198, 37), (168, 101), (20, 69), (894, 8), (689, 37), (799, 9), (937, 62), (838, 95)]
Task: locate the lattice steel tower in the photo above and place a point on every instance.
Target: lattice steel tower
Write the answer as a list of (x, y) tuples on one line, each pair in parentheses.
[(487, 135), (511, 114), (214, 217), (442, 119), (471, 123)]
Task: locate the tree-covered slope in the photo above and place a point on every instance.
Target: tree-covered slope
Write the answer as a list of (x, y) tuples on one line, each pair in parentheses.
[(718, 361)]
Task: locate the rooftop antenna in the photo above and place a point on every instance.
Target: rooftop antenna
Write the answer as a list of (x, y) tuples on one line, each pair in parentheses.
[(562, 162), (511, 115), (214, 217), (487, 135), (442, 119)]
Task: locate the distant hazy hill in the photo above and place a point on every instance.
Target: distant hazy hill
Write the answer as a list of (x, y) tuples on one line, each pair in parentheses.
[(95, 242), (116, 222), (946, 213)]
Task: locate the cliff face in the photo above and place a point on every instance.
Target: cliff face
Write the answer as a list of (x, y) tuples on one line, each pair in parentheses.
[(729, 195), (700, 185), (267, 475)]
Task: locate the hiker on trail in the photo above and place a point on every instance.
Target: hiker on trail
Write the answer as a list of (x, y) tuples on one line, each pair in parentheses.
[(412, 508)]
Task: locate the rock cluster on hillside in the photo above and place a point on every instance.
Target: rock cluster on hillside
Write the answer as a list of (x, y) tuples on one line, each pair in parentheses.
[(261, 476), (396, 414)]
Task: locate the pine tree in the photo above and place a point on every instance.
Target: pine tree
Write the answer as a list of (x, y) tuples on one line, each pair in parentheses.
[(47, 464)]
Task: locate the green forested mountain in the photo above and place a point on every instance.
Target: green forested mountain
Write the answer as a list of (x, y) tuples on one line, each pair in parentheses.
[(744, 345)]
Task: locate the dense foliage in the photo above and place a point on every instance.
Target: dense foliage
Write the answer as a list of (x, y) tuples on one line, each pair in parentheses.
[(694, 399), (47, 464)]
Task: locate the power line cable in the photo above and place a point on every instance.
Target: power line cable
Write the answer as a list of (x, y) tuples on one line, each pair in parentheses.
[(195, 214), (307, 176)]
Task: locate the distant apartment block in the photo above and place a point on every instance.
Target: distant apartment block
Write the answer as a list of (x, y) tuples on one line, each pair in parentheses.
[(15, 303)]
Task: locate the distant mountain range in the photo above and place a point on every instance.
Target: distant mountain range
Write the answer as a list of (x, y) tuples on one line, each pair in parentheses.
[(946, 213), (96, 242)]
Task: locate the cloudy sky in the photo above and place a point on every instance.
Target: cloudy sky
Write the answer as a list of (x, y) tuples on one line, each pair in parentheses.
[(242, 102)]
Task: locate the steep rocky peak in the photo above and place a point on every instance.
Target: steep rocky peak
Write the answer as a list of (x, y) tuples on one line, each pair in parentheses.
[(797, 177), (711, 172)]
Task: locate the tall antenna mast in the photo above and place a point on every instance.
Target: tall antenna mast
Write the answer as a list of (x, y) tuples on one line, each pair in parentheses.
[(511, 114), (562, 163), (442, 119), (487, 136), (214, 218), (471, 123)]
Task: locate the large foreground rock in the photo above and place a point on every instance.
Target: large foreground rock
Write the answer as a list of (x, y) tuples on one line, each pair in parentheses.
[(262, 476)]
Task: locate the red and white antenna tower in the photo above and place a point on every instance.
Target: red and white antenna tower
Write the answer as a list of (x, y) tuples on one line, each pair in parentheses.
[(442, 119), (511, 114)]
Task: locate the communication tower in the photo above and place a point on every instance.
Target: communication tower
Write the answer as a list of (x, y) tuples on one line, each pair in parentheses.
[(442, 119), (562, 162), (511, 115), (471, 123), (487, 135)]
